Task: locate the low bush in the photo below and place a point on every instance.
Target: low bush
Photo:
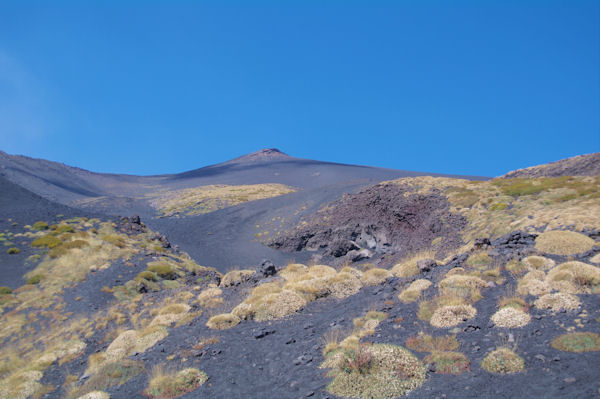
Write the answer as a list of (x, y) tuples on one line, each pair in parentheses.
[(115, 240), (13, 251), (558, 302), (35, 279), (109, 375), (40, 225), (375, 276), (5, 291), (577, 342), (428, 343), (163, 270), (538, 262), (47, 241), (559, 242), (414, 290), (147, 275), (448, 362), (575, 277), (385, 371), (169, 385), (503, 361), (223, 321), (452, 315), (510, 317), (236, 277)]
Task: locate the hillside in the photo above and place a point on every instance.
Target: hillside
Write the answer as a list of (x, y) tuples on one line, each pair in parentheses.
[(272, 276)]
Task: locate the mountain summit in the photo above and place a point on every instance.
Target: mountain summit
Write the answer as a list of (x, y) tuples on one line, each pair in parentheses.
[(264, 155)]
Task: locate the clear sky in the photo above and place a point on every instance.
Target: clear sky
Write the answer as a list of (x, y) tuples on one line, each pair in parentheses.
[(470, 87)]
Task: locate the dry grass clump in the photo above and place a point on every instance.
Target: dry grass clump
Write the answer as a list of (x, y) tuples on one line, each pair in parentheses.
[(534, 283), (513, 301), (131, 341), (517, 268), (408, 267), (375, 276), (236, 277), (503, 361), (375, 371), (21, 385), (311, 288), (577, 342), (447, 362), (413, 291), (595, 258), (427, 343), (558, 302), (350, 270), (205, 199), (170, 384), (450, 316), (510, 317), (170, 314), (559, 242), (223, 321), (109, 375), (343, 284), (575, 277), (210, 297), (479, 259), (366, 324), (95, 395), (293, 271), (468, 287), (538, 263)]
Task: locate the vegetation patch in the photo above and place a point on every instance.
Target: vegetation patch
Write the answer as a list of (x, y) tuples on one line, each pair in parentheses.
[(558, 302), (13, 251), (164, 270), (223, 321), (408, 266), (559, 242), (375, 276), (236, 277), (450, 316), (414, 290), (510, 317), (577, 342), (48, 241), (375, 371), (575, 277), (169, 385), (427, 343), (40, 225), (448, 362), (205, 199), (503, 361), (109, 375), (538, 263)]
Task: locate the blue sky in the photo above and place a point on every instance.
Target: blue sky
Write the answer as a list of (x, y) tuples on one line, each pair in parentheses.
[(470, 87)]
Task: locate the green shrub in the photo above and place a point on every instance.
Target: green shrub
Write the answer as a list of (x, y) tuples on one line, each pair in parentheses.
[(503, 361), (40, 225), (5, 291), (47, 241), (62, 228), (163, 270), (13, 251), (35, 279), (147, 275), (577, 342)]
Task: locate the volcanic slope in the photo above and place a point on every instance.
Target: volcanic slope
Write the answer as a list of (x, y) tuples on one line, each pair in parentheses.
[(503, 304)]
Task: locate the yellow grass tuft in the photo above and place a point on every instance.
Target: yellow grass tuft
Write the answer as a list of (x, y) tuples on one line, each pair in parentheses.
[(558, 242), (538, 263), (171, 384), (223, 321), (375, 276), (575, 277), (534, 283), (408, 266), (413, 292)]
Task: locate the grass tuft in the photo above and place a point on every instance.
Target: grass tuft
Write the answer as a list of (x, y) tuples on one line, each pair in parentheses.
[(577, 342), (558, 242), (169, 384)]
